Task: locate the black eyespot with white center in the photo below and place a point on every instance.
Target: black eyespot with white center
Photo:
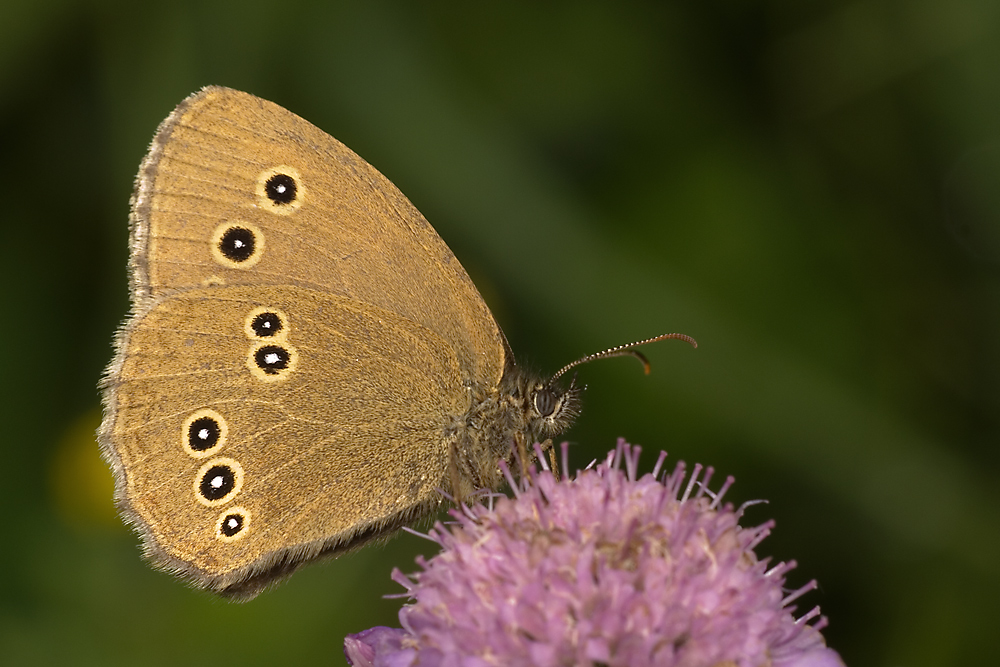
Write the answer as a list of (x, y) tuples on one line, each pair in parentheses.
[(267, 324), (203, 434), (281, 189), (218, 481), (272, 359), (238, 244), (232, 524)]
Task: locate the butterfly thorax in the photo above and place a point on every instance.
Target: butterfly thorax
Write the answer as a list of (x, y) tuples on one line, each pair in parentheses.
[(523, 409)]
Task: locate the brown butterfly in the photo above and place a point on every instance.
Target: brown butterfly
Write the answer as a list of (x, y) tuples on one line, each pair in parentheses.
[(306, 365)]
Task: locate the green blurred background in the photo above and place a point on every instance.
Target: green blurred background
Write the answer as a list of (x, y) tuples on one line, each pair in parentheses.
[(809, 189)]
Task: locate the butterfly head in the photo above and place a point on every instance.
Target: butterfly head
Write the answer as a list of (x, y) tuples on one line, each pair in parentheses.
[(550, 409)]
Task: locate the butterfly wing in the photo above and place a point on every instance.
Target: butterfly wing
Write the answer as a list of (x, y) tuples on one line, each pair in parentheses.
[(342, 440), (346, 230), (300, 344)]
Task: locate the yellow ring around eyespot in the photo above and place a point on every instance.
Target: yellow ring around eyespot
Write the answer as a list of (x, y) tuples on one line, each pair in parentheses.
[(258, 249), (281, 374), (186, 429), (279, 337), (242, 511), (233, 465), (265, 203)]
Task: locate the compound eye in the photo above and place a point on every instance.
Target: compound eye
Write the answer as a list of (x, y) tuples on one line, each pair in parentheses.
[(545, 402)]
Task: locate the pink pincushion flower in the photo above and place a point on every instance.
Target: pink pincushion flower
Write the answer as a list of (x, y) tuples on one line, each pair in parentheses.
[(602, 569)]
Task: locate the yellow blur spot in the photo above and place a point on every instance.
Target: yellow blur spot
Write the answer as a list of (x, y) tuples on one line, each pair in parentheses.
[(80, 482)]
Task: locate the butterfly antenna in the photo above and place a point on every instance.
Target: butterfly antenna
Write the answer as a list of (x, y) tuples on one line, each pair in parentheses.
[(627, 351)]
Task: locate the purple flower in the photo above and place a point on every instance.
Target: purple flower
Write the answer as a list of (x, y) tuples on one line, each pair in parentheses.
[(602, 569)]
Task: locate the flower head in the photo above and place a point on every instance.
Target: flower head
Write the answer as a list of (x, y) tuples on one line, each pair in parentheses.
[(602, 569)]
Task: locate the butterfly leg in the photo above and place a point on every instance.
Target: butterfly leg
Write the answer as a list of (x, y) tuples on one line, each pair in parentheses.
[(454, 474), (521, 445), (551, 450)]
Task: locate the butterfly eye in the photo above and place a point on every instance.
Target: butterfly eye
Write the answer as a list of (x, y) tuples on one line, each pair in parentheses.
[(557, 408), (545, 402), (218, 481)]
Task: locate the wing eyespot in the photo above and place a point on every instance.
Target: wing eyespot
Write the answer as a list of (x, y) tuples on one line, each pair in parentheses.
[(272, 362), (233, 524), (266, 323), (237, 245), (204, 433), (280, 190), (218, 482)]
